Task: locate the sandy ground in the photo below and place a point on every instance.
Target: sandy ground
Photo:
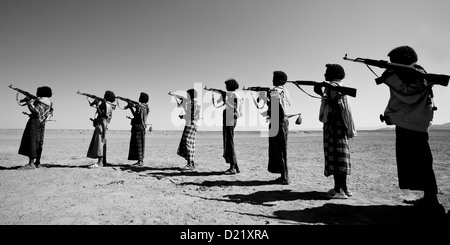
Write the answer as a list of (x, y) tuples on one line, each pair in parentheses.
[(66, 192)]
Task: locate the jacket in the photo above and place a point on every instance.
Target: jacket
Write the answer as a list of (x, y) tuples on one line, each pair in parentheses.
[(410, 103)]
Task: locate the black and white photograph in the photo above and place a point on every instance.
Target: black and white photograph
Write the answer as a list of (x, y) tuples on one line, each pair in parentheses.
[(237, 113)]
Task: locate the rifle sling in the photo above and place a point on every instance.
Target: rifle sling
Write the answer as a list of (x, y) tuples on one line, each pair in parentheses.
[(256, 103), (214, 103), (316, 97)]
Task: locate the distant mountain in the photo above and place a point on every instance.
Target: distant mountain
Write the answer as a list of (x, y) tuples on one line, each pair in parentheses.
[(445, 126)]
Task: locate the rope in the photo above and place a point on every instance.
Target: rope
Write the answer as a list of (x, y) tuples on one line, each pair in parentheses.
[(214, 104), (316, 97), (256, 103), (118, 105)]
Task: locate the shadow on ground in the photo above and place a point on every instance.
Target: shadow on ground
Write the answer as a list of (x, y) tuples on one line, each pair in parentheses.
[(225, 183), (261, 197), (266, 198), (342, 214)]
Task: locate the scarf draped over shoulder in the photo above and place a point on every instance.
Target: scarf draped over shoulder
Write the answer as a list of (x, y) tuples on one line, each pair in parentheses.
[(344, 108)]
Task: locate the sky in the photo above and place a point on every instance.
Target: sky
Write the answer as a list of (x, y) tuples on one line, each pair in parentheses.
[(137, 46)]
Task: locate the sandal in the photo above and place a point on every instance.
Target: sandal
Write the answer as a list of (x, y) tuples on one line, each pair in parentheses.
[(231, 171), (95, 165), (138, 164), (332, 194), (187, 168), (416, 202), (27, 167)]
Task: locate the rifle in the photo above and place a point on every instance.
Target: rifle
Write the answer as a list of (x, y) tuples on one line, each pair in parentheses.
[(266, 90), (258, 89), (129, 101), (178, 97), (215, 90), (91, 96), (344, 90), (27, 94), (221, 92), (440, 79), (95, 98), (27, 98)]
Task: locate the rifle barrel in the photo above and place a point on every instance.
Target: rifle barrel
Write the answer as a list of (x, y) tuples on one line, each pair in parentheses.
[(127, 100), (304, 82), (27, 94), (257, 89)]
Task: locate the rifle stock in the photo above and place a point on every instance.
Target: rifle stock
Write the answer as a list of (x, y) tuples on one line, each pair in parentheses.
[(344, 90), (439, 79)]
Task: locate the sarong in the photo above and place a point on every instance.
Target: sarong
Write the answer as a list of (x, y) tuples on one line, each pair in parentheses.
[(97, 147), (336, 150), (228, 144), (137, 143), (278, 149), (186, 149), (414, 160), (32, 138)]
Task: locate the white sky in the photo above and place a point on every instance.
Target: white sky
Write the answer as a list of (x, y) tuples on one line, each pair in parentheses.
[(170, 45)]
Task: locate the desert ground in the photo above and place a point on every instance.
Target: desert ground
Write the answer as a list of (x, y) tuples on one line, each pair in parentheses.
[(66, 192)]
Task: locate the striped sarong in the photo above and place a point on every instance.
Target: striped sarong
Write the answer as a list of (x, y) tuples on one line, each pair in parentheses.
[(336, 150), (186, 149), (137, 143), (32, 138)]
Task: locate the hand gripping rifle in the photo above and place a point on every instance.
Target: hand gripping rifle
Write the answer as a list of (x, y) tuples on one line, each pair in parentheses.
[(439, 79), (266, 90), (129, 101), (344, 90), (178, 98), (95, 98), (221, 92)]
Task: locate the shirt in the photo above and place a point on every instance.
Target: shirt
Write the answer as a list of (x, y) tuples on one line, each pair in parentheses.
[(42, 108), (233, 108), (410, 103)]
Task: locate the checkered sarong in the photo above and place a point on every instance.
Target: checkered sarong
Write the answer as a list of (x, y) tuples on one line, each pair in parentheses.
[(336, 150), (137, 143), (186, 148)]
